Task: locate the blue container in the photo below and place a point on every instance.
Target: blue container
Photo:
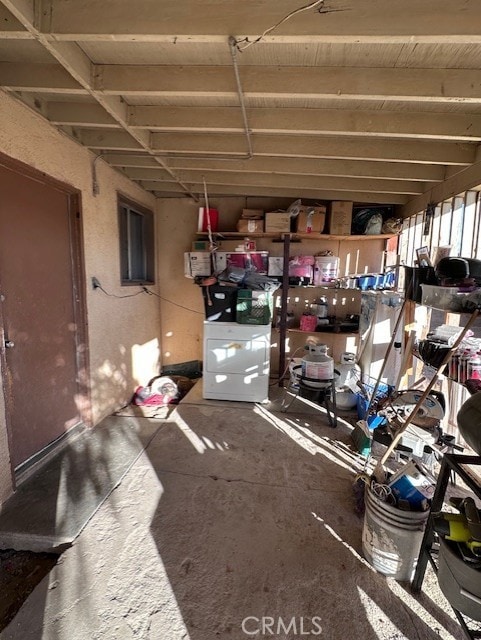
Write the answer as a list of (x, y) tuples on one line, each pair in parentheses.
[(366, 282), (373, 420)]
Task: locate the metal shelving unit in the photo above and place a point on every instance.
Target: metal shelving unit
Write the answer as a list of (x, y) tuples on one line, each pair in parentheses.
[(293, 236), (286, 239), (460, 465)]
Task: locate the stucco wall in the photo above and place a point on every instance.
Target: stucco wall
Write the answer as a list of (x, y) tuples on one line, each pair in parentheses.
[(123, 333)]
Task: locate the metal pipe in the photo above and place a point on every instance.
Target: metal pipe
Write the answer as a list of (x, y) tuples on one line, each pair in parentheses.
[(233, 53), (149, 153), (96, 186)]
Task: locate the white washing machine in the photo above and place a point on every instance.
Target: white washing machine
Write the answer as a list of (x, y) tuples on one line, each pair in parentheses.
[(236, 361)]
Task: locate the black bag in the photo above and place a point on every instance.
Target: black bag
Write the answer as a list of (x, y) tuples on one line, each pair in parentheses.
[(367, 221)]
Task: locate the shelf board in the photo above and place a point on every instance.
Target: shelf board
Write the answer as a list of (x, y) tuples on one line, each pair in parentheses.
[(324, 333), (293, 236)]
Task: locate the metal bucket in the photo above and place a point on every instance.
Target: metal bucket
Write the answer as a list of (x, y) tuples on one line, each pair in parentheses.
[(391, 537)]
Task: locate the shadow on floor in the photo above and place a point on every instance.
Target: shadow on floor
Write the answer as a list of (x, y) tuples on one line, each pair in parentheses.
[(233, 517)]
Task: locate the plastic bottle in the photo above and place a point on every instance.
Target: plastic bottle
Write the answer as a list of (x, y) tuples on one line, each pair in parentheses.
[(454, 366), (463, 367)]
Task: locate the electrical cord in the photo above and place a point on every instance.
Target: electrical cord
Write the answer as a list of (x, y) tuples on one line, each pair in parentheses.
[(113, 295), (383, 492), (291, 358), (311, 5), (148, 292), (152, 293)]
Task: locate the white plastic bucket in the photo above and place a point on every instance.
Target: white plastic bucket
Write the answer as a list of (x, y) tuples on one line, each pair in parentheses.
[(326, 269), (391, 537)]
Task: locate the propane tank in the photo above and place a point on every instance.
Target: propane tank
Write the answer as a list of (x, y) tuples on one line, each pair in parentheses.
[(349, 374), (317, 365)]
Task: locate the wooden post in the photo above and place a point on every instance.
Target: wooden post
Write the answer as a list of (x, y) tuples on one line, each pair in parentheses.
[(283, 318)]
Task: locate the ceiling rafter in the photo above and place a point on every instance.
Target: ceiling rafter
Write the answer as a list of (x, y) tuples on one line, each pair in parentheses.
[(408, 19), (448, 126), (362, 83), (76, 63), (285, 192), (353, 103), (250, 179)]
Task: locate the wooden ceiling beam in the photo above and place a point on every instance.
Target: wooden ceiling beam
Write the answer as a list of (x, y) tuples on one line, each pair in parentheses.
[(22, 76), (367, 18), (220, 39), (248, 180), (422, 126), (107, 140), (303, 166), (287, 192), (468, 178), (79, 115), (319, 167), (391, 124), (360, 83), (316, 147), (75, 62)]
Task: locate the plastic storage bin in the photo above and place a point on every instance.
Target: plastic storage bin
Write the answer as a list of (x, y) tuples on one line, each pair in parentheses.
[(445, 298), (253, 307), (414, 277), (373, 420), (220, 303)]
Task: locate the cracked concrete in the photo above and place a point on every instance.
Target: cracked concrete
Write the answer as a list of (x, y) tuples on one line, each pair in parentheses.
[(233, 511)]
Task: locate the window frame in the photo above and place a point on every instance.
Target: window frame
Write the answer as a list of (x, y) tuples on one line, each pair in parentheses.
[(145, 254)]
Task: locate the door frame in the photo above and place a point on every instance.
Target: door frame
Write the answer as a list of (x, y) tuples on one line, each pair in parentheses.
[(80, 314)]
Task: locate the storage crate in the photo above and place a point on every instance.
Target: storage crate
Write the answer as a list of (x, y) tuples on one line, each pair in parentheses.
[(220, 303), (253, 307), (445, 298)]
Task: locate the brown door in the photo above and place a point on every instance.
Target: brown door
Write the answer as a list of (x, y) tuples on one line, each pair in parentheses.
[(38, 313)]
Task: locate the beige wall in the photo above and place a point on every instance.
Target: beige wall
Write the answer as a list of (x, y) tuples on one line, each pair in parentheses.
[(123, 334), (182, 327)]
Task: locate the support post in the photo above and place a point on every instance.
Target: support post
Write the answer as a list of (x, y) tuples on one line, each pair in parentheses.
[(283, 318)]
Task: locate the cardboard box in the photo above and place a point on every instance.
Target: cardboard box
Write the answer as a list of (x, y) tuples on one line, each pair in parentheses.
[(197, 263), (311, 220), (414, 484), (250, 226), (253, 214), (277, 221), (340, 217)]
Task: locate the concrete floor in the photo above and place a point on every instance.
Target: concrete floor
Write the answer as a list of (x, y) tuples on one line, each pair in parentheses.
[(233, 512)]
